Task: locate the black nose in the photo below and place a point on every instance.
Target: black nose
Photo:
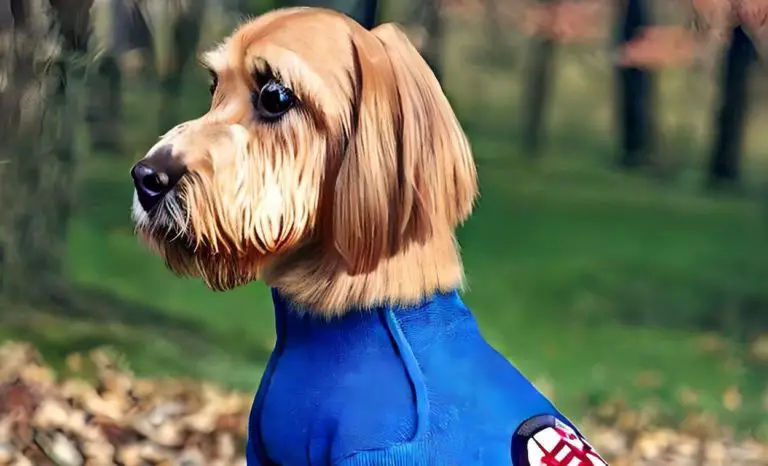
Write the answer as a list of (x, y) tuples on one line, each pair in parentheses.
[(156, 175)]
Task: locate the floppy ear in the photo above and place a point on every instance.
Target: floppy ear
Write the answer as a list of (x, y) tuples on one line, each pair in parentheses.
[(408, 169)]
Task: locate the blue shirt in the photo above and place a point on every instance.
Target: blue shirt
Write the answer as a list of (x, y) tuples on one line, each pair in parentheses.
[(389, 385)]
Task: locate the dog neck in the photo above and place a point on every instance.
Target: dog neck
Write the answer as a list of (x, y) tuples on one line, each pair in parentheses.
[(316, 279)]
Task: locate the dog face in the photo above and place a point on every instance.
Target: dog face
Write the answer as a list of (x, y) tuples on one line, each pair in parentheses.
[(319, 132)]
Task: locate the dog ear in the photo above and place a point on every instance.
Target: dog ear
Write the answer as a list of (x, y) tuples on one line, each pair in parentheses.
[(408, 168)]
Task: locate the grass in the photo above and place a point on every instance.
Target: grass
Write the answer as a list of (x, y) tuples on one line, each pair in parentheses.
[(596, 284)]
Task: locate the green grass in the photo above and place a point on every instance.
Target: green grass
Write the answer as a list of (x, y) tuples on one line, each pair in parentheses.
[(593, 282), (590, 281)]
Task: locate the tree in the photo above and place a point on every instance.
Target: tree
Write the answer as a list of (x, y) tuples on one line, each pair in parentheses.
[(368, 12), (432, 50), (364, 12), (20, 12), (255, 7), (730, 123), (498, 52), (635, 88), (129, 33), (539, 66), (185, 23), (492, 24), (39, 111)]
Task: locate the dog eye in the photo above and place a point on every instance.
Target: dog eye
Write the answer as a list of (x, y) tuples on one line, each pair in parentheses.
[(274, 100)]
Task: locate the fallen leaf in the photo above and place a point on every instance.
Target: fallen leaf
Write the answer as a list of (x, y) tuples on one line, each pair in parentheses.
[(648, 379), (759, 348), (711, 343), (765, 399), (74, 362), (687, 396), (732, 398)]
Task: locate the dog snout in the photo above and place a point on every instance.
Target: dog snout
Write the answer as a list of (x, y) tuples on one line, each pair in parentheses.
[(156, 175)]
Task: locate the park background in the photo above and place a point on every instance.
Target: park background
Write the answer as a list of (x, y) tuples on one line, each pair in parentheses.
[(617, 255)]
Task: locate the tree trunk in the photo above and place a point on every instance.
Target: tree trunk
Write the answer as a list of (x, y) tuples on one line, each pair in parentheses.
[(73, 18), (105, 106), (498, 50), (730, 124), (20, 13), (364, 12), (635, 89), (539, 69), (6, 16), (185, 37), (130, 30), (432, 50), (129, 33), (257, 7), (367, 13), (41, 111)]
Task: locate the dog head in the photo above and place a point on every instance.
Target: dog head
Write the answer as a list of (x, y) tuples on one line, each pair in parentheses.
[(319, 131)]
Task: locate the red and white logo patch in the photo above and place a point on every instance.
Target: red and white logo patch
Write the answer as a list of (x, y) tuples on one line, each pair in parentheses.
[(560, 445)]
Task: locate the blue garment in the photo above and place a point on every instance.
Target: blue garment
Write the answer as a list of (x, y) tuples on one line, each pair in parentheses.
[(388, 386)]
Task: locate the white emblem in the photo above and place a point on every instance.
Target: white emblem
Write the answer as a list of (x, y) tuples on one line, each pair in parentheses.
[(561, 446)]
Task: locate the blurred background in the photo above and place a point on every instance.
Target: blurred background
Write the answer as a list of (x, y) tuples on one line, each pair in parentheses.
[(617, 255)]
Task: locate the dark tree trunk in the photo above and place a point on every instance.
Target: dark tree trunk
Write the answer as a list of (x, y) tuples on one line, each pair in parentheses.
[(364, 12), (367, 13), (499, 52), (129, 33), (130, 29), (73, 18), (6, 16), (36, 137), (20, 13), (257, 7), (538, 90), (434, 28), (730, 124), (539, 69), (185, 37), (635, 89), (105, 106)]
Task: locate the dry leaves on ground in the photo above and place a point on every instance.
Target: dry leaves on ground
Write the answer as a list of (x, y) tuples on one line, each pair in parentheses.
[(633, 438), (123, 420), (118, 420)]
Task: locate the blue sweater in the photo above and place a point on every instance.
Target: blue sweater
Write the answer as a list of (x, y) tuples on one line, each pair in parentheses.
[(400, 386)]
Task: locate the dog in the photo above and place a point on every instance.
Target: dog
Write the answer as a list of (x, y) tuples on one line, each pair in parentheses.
[(331, 166)]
